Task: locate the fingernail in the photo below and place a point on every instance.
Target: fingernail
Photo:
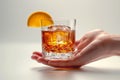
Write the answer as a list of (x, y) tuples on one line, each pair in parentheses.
[(34, 57)]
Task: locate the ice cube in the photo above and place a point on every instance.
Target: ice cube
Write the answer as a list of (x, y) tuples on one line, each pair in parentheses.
[(59, 27), (52, 28), (66, 28)]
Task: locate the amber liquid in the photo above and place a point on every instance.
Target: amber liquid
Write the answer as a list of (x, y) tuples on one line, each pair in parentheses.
[(58, 41)]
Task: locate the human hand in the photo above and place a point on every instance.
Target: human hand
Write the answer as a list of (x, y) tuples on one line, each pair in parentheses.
[(93, 46)]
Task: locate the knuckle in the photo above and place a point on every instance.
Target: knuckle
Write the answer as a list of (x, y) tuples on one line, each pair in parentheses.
[(104, 37)]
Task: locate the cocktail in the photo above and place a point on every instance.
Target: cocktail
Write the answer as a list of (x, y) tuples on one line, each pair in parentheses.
[(58, 36), (58, 39)]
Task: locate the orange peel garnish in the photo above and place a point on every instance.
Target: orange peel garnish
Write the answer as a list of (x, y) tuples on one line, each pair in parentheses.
[(39, 19)]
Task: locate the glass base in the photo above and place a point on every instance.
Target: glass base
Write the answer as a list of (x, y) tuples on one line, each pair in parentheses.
[(61, 56)]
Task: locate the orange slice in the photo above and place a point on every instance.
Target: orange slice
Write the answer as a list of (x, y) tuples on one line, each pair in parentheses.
[(39, 19)]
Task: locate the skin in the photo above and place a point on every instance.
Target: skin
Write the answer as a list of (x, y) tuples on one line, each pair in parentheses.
[(93, 46)]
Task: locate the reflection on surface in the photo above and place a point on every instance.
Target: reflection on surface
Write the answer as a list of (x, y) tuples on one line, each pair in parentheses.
[(85, 73)]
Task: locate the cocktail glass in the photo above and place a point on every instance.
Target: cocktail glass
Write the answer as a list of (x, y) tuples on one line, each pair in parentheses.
[(58, 40)]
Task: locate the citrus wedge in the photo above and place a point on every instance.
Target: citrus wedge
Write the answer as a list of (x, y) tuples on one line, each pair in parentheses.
[(39, 19)]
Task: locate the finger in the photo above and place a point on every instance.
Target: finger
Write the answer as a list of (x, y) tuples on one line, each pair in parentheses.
[(77, 42), (36, 55), (42, 60), (94, 33), (79, 48), (90, 47)]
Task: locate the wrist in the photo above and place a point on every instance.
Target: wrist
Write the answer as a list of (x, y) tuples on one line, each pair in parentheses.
[(115, 44)]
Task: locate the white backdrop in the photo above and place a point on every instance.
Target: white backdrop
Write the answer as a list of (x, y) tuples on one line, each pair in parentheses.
[(17, 41), (90, 14)]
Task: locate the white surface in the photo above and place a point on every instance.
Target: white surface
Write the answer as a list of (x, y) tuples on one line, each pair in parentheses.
[(16, 64)]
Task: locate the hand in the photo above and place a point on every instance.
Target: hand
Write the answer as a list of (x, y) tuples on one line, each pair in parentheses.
[(93, 46)]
